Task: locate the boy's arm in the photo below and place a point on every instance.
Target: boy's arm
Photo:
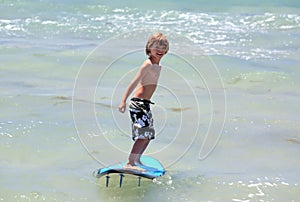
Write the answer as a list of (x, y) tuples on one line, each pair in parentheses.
[(131, 87)]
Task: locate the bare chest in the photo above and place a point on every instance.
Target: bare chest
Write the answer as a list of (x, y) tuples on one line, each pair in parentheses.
[(152, 75)]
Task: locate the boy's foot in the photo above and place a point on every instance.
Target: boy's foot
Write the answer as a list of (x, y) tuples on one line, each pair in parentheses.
[(133, 167), (138, 162)]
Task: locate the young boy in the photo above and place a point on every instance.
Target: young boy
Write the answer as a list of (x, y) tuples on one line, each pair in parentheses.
[(145, 83)]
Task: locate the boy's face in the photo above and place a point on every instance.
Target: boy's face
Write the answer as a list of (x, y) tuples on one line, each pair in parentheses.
[(158, 50)]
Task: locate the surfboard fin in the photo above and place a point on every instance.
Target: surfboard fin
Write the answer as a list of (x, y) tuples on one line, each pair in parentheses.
[(139, 181), (107, 180), (121, 179)]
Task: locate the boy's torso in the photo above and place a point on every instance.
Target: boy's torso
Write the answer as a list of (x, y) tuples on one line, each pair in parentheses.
[(148, 83)]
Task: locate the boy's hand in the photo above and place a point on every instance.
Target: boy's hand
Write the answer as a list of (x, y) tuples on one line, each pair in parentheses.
[(122, 107)]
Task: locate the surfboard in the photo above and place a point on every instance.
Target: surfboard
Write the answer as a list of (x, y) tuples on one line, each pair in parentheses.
[(153, 167)]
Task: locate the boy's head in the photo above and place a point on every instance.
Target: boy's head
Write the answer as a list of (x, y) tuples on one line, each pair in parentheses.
[(157, 40)]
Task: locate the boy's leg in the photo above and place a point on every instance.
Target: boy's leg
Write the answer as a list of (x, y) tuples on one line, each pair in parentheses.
[(137, 150), (143, 148), (137, 147), (134, 151)]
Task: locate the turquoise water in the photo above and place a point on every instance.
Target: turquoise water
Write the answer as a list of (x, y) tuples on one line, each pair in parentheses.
[(227, 105)]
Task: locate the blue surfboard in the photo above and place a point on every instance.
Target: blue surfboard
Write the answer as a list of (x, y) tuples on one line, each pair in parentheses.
[(153, 167)]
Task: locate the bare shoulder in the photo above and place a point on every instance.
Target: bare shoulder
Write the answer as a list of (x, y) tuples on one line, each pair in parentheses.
[(146, 64)]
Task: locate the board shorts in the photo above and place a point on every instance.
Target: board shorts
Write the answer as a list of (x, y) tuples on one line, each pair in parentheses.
[(141, 119)]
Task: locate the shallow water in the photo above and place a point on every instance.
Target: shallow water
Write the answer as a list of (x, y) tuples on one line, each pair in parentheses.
[(226, 113)]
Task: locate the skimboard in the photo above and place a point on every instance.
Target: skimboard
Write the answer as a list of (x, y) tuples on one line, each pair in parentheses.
[(153, 169)]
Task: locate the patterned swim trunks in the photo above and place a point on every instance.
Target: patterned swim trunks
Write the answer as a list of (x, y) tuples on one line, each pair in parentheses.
[(141, 117)]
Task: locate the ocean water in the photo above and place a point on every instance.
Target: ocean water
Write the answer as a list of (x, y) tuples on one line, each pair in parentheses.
[(226, 108)]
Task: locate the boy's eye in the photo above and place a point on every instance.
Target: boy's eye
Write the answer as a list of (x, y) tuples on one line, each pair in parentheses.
[(160, 48)]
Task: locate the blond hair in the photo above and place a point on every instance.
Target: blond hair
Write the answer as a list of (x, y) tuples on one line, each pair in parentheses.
[(157, 38)]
